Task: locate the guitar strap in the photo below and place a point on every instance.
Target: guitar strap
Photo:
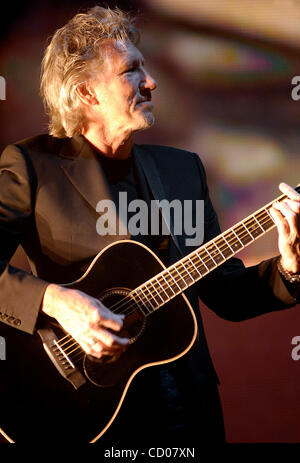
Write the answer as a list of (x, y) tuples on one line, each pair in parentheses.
[(147, 164)]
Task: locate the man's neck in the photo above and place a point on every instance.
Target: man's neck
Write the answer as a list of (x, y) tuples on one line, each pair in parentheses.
[(119, 149)]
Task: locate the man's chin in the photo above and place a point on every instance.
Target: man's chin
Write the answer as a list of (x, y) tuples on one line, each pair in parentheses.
[(148, 120)]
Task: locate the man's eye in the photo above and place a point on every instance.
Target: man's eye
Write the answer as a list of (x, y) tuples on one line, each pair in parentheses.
[(130, 70)]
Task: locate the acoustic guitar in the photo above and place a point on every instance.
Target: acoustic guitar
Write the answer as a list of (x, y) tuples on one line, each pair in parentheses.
[(60, 391)]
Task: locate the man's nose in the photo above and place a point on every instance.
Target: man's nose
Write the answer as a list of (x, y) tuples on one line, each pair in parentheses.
[(149, 81)]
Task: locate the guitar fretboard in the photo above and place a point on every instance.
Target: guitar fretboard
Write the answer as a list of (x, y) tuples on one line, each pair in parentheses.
[(172, 281)]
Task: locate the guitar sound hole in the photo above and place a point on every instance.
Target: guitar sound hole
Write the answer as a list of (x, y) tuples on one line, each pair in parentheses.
[(119, 301)]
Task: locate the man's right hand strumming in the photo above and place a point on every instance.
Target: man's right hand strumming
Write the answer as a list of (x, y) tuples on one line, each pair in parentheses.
[(86, 319)]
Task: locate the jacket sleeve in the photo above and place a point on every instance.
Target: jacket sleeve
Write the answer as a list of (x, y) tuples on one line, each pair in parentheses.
[(236, 292), (20, 292)]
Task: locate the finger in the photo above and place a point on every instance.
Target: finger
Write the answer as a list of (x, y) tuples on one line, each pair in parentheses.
[(109, 340), (289, 191), (97, 313), (288, 213), (96, 348), (291, 220), (104, 317), (110, 319), (293, 205), (280, 221), (91, 347)]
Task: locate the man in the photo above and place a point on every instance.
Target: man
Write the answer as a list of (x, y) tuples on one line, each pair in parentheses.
[(98, 94)]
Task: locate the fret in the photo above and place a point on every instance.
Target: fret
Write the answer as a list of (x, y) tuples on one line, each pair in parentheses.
[(258, 223), (228, 244), (243, 238), (156, 290), (204, 264), (162, 288), (248, 231), (155, 281), (186, 285), (228, 251), (269, 221), (199, 273), (236, 244), (269, 214), (252, 228), (202, 267), (150, 294), (206, 269), (211, 258), (134, 293), (173, 279), (188, 273), (215, 253), (219, 250), (173, 292), (141, 289), (192, 272)]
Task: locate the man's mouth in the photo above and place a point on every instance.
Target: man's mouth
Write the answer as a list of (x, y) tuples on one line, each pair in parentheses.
[(146, 101)]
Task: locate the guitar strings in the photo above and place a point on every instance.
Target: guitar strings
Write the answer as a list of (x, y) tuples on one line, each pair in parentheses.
[(191, 266), (210, 259), (124, 302), (246, 232), (263, 211), (205, 259)]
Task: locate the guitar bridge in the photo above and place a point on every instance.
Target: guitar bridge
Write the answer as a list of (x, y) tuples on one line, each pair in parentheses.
[(60, 359)]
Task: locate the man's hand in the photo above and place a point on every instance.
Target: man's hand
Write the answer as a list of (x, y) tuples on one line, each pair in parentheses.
[(286, 215), (86, 319)]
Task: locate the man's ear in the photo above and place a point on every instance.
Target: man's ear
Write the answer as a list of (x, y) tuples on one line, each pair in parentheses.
[(86, 94)]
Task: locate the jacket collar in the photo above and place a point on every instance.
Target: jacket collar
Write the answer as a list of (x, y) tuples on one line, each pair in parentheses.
[(144, 159), (83, 169), (81, 166)]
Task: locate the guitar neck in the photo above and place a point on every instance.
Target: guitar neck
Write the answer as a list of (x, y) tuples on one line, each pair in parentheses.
[(172, 281)]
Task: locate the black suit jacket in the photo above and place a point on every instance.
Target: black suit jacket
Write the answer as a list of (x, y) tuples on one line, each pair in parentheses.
[(49, 189)]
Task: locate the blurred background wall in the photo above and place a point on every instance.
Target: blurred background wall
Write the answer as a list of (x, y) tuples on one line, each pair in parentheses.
[(224, 71)]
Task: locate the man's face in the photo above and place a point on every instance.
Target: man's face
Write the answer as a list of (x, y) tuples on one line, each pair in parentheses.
[(123, 89)]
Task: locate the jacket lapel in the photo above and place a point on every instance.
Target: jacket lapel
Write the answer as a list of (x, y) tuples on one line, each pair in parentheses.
[(80, 165), (82, 168), (146, 162)]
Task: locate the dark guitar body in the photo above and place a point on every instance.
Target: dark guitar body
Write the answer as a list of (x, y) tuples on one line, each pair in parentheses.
[(37, 403)]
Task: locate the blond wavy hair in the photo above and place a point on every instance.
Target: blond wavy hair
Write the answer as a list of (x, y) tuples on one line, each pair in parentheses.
[(68, 61)]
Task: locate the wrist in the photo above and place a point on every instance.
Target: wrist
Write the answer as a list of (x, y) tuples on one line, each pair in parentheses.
[(291, 266), (288, 272), (50, 299)]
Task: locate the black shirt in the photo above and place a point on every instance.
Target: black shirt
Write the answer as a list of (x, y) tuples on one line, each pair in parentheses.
[(157, 397)]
